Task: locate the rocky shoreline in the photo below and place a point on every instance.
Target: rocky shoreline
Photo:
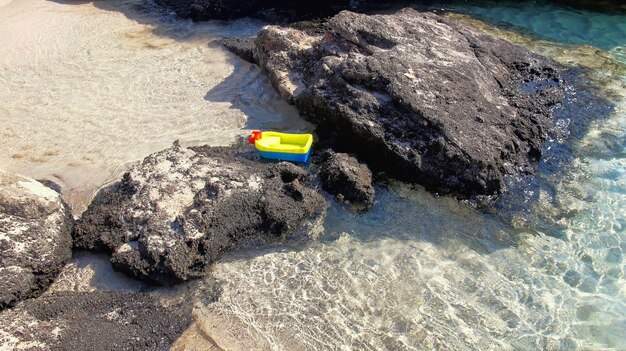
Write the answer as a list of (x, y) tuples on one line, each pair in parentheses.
[(165, 222), (409, 95)]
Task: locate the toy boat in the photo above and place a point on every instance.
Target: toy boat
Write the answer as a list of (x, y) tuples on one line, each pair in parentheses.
[(282, 146)]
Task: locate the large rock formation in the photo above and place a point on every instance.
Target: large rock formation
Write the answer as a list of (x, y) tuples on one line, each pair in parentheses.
[(93, 321), (180, 209), (349, 180), (35, 237), (420, 97)]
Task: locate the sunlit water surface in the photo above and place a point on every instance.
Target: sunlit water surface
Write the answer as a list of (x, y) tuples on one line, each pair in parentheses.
[(546, 272), (100, 88)]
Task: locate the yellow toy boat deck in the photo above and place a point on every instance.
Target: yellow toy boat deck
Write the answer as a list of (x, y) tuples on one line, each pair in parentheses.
[(282, 146)]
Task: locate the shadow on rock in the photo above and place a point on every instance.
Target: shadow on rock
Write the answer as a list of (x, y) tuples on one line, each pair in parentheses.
[(248, 90)]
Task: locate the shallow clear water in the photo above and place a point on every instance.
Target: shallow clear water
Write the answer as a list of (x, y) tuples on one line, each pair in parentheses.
[(86, 88), (100, 86), (420, 272)]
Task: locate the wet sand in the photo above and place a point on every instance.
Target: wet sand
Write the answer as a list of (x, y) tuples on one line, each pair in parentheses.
[(88, 88)]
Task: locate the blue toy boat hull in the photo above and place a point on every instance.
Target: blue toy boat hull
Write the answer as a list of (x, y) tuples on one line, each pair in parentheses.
[(285, 156)]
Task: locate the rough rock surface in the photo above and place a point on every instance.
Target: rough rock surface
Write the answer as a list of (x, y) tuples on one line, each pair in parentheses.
[(420, 97), (344, 176), (202, 10), (93, 321), (179, 210), (35, 237), (242, 47)]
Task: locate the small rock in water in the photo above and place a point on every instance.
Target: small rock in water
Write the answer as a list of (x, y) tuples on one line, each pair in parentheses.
[(572, 278), (35, 237), (178, 211), (348, 179)]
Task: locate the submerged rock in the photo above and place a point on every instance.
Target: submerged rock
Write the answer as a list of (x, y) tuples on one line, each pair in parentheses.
[(93, 321), (422, 98), (345, 177), (178, 211), (35, 237)]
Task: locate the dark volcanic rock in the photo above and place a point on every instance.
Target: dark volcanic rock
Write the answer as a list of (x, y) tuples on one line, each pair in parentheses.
[(202, 10), (93, 321), (344, 176), (35, 237), (422, 98), (242, 47), (180, 209)]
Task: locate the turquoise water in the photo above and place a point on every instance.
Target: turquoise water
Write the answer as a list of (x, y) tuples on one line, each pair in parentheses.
[(544, 271), (555, 23)]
